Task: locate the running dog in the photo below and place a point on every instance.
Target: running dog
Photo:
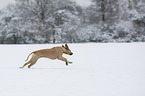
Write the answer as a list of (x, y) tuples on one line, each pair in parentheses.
[(53, 53)]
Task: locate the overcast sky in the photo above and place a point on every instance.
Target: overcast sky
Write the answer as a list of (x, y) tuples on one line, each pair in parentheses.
[(83, 2), (4, 3)]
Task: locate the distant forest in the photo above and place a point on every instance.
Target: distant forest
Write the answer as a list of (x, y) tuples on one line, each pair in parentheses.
[(64, 21)]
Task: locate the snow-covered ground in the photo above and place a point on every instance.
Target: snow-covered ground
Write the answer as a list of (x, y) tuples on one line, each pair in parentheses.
[(109, 69)]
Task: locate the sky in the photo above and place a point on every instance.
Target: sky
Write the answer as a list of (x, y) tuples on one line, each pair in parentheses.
[(4, 3), (83, 2)]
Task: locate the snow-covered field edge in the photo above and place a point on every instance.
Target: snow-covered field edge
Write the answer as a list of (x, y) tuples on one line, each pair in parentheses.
[(98, 69)]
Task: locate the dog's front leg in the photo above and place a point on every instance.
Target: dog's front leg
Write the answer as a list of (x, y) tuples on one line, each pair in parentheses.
[(64, 59)]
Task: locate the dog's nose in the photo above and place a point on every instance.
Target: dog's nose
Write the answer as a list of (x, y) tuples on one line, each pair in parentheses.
[(71, 53)]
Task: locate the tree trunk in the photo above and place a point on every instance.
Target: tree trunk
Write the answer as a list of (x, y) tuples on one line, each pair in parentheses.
[(103, 10)]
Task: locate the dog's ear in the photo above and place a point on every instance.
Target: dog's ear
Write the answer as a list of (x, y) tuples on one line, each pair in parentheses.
[(66, 46)]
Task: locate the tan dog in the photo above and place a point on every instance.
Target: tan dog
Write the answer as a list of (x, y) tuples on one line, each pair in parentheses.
[(53, 53)]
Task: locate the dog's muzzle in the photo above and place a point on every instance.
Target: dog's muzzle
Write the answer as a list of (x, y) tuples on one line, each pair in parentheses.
[(71, 54)]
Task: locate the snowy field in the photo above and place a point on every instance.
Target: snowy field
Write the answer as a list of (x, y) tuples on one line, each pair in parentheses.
[(97, 70)]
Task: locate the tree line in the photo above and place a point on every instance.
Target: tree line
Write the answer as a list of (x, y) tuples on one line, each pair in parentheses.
[(59, 21)]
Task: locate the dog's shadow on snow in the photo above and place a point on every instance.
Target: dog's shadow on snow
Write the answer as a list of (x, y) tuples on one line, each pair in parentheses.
[(49, 68)]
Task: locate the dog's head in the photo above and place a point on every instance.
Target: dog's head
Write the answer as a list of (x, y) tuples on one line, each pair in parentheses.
[(66, 50)]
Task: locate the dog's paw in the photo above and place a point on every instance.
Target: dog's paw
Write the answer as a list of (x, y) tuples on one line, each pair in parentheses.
[(66, 63), (70, 62)]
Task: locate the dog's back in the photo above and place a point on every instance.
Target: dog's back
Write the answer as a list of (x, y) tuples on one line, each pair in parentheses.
[(52, 53)]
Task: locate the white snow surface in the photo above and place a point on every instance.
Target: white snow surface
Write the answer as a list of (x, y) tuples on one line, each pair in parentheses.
[(98, 69)]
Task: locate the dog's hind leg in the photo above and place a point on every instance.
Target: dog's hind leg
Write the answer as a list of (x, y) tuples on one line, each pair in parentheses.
[(31, 64), (25, 64), (33, 60)]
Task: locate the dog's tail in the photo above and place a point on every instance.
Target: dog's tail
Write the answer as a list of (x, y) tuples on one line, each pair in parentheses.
[(28, 56)]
